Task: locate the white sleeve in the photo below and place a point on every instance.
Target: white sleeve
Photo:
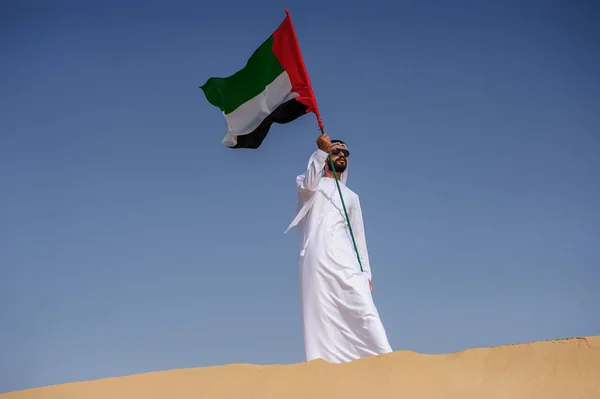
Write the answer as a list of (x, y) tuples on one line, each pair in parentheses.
[(309, 181)]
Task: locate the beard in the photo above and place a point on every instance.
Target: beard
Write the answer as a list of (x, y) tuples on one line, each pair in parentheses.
[(339, 168)]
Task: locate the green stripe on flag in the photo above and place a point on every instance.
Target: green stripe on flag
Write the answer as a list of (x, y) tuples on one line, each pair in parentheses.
[(261, 69)]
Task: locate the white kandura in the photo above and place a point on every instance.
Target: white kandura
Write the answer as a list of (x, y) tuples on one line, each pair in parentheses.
[(339, 318)]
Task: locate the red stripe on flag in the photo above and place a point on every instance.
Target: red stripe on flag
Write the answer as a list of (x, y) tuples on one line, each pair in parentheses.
[(287, 51)]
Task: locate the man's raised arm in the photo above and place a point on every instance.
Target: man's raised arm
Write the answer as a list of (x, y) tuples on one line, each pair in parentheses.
[(309, 181)]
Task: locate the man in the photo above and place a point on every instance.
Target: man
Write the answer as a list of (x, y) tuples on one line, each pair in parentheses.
[(340, 321)]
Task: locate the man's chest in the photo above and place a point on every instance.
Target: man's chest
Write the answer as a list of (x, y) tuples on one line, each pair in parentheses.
[(334, 198)]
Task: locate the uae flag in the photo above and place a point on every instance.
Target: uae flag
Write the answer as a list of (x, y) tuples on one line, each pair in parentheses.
[(273, 87)]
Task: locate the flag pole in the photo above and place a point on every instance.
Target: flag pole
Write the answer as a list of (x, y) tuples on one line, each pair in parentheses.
[(331, 165), (320, 123)]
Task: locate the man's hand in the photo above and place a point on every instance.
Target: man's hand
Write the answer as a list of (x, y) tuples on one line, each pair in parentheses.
[(324, 142)]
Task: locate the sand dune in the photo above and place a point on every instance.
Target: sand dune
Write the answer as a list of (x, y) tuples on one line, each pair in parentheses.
[(565, 369)]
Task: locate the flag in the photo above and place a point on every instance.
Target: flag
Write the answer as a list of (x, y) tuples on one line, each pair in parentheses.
[(273, 87)]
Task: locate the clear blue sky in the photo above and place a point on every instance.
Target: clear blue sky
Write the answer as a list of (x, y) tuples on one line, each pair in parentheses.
[(132, 240)]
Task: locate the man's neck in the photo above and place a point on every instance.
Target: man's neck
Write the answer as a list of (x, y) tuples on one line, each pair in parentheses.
[(329, 173)]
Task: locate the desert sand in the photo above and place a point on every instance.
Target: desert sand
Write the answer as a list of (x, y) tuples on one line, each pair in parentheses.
[(563, 368)]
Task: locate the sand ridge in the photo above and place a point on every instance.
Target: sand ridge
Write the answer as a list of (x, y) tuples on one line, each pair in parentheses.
[(562, 368)]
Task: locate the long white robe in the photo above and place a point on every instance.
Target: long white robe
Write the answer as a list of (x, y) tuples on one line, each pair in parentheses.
[(339, 318)]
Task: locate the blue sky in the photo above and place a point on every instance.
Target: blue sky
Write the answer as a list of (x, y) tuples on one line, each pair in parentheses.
[(132, 240)]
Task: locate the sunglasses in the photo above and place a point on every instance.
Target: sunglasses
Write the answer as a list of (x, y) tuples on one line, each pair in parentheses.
[(336, 151)]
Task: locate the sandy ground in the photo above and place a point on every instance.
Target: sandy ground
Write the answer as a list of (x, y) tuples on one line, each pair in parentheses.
[(565, 369)]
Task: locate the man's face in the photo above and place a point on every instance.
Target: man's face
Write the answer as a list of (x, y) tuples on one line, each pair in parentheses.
[(339, 156)]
